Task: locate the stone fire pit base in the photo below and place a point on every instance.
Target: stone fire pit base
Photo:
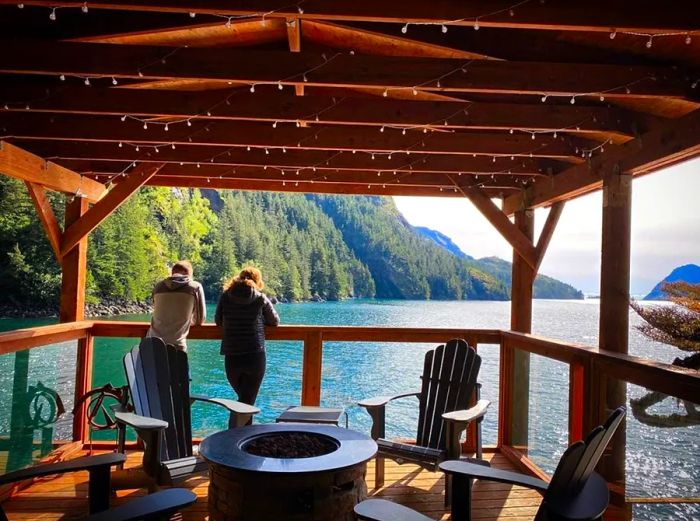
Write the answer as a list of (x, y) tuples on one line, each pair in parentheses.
[(323, 480), (239, 495)]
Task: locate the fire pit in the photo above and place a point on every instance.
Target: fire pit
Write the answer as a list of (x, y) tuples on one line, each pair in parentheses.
[(286, 471)]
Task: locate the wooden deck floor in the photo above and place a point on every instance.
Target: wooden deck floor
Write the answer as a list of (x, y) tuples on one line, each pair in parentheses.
[(62, 498)]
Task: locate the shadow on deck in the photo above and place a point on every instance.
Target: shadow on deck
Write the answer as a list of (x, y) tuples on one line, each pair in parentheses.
[(63, 498)]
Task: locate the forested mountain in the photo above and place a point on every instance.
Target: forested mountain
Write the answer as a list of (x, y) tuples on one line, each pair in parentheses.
[(544, 287), (689, 273), (307, 246)]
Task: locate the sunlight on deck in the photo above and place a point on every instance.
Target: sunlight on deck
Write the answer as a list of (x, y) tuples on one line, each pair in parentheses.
[(62, 498)]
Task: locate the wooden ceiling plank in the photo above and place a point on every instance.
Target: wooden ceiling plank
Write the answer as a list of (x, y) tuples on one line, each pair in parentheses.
[(262, 135), (672, 142), (238, 33), (106, 206), (340, 70), (46, 216), (596, 15), (28, 167), (282, 107), (371, 42)]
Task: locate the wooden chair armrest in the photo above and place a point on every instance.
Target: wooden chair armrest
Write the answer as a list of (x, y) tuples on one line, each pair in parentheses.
[(140, 423), (230, 405), (472, 470), (85, 463), (383, 510), (149, 508), (381, 401), (468, 415)]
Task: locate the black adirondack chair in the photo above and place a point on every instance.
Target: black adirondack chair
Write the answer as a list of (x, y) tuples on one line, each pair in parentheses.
[(575, 491), (158, 506), (449, 383), (159, 383)]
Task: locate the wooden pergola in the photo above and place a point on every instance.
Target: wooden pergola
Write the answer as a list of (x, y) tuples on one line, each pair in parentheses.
[(532, 103)]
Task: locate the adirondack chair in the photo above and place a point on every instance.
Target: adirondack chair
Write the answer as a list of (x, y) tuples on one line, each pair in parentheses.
[(449, 383), (158, 506), (159, 383), (575, 491)]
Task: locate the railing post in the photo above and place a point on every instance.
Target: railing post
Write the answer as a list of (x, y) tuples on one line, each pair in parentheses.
[(83, 383), (312, 368), (577, 400), (505, 394)]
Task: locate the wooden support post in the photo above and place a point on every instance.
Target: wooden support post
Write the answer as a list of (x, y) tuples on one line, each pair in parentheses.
[(83, 383), (74, 271), (312, 367), (614, 304), (577, 401), (521, 320)]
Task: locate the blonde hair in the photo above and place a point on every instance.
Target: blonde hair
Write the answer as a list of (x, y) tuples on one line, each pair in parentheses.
[(249, 276)]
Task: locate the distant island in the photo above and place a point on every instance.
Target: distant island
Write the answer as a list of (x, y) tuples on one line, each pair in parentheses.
[(689, 273)]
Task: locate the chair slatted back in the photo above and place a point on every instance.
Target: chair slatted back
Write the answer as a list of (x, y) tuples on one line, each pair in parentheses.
[(449, 379), (579, 461), (158, 377)]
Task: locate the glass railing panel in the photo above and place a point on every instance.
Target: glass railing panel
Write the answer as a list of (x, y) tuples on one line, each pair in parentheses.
[(540, 416), (662, 456), (37, 387), (356, 370)]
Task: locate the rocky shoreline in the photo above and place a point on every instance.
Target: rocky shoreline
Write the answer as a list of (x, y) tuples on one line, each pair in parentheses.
[(107, 307)]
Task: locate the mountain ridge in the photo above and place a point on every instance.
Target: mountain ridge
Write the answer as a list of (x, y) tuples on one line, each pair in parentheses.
[(544, 288), (689, 273)]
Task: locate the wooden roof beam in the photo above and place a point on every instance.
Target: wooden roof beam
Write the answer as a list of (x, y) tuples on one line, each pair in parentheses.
[(284, 137), (595, 15), (106, 206), (547, 233), (340, 70), (276, 106), (672, 142), (18, 163), (292, 159)]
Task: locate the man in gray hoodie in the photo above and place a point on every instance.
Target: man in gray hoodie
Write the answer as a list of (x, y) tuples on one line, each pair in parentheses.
[(178, 302)]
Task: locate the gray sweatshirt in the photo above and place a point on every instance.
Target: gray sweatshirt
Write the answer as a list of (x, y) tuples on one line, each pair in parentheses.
[(178, 302)]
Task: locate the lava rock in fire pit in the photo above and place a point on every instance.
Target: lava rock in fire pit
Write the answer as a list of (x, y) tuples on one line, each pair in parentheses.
[(290, 445)]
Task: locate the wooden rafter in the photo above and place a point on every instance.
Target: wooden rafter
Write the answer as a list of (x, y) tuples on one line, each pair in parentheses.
[(547, 232), (288, 136), (91, 219), (46, 216), (670, 143), (343, 70), (276, 106), (28, 167), (499, 220), (294, 41), (647, 16), (76, 152)]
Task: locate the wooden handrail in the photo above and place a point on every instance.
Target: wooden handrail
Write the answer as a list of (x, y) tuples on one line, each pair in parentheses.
[(22, 339)]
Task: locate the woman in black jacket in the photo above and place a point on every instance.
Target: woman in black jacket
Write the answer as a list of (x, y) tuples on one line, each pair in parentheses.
[(242, 313)]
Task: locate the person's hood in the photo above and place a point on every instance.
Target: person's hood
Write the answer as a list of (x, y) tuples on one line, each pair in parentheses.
[(242, 294), (177, 281)]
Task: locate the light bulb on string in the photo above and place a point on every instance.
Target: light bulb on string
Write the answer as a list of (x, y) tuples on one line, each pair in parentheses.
[(544, 98), (52, 14), (172, 145), (476, 25), (87, 81), (279, 85), (137, 148), (62, 77), (274, 125), (20, 6), (267, 152), (84, 8), (166, 127), (252, 88), (189, 123), (192, 14), (120, 144), (114, 81), (688, 40), (573, 100), (443, 28), (650, 42), (145, 125), (613, 34), (404, 29), (415, 91), (385, 93)]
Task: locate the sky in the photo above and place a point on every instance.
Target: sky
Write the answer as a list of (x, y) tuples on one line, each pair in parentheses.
[(665, 229)]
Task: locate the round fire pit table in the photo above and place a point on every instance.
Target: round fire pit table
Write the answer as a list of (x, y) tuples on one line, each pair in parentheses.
[(286, 472)]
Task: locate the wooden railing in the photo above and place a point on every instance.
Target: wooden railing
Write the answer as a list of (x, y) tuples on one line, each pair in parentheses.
[(588, 366)]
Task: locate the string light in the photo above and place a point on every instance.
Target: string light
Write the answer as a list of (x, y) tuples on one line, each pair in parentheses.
[(84, 8), (52, 15)]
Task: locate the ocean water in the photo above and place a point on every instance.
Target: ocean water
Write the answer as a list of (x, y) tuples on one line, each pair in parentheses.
[(660, 461)]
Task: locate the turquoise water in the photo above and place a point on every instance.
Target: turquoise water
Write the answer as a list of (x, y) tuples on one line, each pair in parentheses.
[(352, 371)]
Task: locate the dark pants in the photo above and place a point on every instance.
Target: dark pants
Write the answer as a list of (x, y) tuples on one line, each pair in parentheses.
[(245, 374)]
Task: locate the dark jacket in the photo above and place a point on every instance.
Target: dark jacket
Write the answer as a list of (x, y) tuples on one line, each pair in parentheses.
[(242, 313)]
